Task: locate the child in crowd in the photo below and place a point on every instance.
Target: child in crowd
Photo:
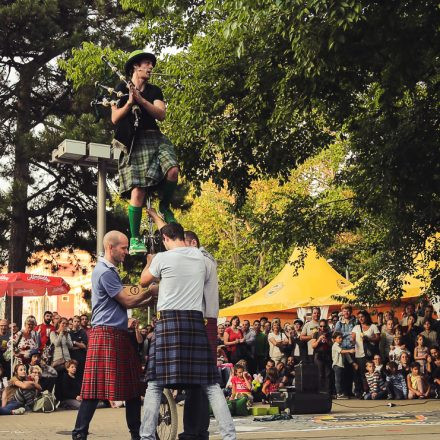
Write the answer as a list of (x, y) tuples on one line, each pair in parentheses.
[(397, 349), (379, 366), (376, 385), (421, 352), (404, 366), (418, 387), (70, 386), (338, 363), (271, 383), (396, 382), (241, 385), (243, 363)]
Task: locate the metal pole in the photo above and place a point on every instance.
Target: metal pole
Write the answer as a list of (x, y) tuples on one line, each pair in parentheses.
[(101, 208), (12, 333)]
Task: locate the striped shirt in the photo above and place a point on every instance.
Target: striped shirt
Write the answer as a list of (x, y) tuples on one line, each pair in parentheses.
[(375, 382)]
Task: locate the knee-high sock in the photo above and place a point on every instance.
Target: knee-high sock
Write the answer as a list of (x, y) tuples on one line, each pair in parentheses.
[(168, 191), (134, 217)]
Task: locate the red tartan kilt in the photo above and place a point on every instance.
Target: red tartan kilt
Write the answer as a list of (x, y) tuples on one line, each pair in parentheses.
[(113, 368)]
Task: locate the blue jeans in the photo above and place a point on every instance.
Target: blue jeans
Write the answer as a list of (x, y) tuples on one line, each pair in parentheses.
[(216, 399), (380, 395), (7, 410), (339, 371)]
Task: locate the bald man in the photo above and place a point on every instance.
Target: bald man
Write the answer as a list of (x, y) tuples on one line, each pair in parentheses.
[(112, 370)]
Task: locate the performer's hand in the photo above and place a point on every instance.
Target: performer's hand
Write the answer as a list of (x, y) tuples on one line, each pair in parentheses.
[(137, 95), (130, 100), (152, 213), (150, 258)]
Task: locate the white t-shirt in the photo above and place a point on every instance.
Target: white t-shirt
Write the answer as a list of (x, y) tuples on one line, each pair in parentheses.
[(210, 291), (309, 329), (359, 343), (337, 356), (182, 278), (274, 351)]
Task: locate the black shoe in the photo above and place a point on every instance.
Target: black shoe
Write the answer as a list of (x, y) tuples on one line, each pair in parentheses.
[(79, 436), (135, 437)]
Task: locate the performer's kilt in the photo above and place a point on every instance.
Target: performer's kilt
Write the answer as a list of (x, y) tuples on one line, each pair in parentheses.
[(113, 369), (180, 355), (211, 332), (152, 156)]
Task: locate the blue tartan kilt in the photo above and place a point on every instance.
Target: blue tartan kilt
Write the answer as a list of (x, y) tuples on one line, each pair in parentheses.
[(180, 355)]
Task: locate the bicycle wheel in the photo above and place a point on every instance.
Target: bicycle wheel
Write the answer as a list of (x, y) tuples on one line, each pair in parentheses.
[(167, 422)]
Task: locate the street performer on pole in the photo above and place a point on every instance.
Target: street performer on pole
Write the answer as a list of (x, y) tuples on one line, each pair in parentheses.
[(180, 355), (150, 160), (112, 370)]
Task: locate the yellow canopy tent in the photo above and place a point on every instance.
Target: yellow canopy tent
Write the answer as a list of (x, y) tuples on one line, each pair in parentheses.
[(314, 283)]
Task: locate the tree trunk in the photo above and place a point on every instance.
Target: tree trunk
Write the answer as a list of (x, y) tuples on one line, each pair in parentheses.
[(19, 226)]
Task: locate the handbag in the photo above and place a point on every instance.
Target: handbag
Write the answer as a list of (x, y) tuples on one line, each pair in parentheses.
[(45, 403), (370, 349), (10, 351), (286, 349)]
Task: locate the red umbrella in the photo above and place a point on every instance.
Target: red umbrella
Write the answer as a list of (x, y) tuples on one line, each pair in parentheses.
[(28, 284)]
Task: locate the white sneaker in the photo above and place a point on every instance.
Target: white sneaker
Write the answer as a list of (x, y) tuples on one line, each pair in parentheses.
[(18, 411)]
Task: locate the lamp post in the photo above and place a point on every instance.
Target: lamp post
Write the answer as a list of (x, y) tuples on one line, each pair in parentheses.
[(91, 154)]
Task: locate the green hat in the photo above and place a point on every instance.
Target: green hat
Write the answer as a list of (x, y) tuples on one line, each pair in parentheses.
[(137, 56)]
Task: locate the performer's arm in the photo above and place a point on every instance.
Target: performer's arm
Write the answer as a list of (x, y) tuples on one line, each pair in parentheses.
[(131, 298), (120, 113), (156, 218), (157, 109)]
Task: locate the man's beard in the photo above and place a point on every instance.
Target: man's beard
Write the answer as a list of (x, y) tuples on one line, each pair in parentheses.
[(48, 321)]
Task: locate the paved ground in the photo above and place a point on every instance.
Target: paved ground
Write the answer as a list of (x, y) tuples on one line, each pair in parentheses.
[(349, 419)]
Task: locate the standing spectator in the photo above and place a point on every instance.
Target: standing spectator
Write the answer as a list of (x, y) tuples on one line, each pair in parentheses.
[(338, 363), (55, 318), (427, 315), (421, 353), (25, 341), (62, 342), (249, 345), (365, 335), (4, 338), (220, 334), (78, 352), (278, 342), (376, 387), (334, 318), (386, 339), (345, 326), (412, 331), (396, 382), (85, 323), (234, 339), (380, 321), (418, 386), (70, 395), (309, 329), (429, 334), (263, 321), (409, 310), (299, 348), (227, 324), (267, 328), (44, 330), (322, 356), (261, 346)]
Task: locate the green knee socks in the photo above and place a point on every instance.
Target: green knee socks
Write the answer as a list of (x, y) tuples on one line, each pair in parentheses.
[(134, 217)]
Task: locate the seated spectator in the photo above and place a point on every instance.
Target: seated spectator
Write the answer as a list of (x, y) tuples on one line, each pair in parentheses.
[(379, 366), (288, 377), (241, 384), (24, 341), (272, 383), (269, 364), (338, 363), (376, 386), (397, 349), (405, 364), (429, 334), (427, 316), (433, 370), (26, 396), (421, 353), (70, 394), (220, 334), (418, 387), (62, 342), (396, 382), (412, 331), (10, 405), (3, 379)]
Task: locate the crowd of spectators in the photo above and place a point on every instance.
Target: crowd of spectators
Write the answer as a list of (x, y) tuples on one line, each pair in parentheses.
[(354, 356), (50, 357)]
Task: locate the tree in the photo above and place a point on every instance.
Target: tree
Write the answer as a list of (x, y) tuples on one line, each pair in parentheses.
[(41, 202)]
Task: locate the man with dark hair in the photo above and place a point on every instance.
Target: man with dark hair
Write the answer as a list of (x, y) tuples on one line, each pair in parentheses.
[(149, 161), (309, 329), (180, 355), (261, 346)]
